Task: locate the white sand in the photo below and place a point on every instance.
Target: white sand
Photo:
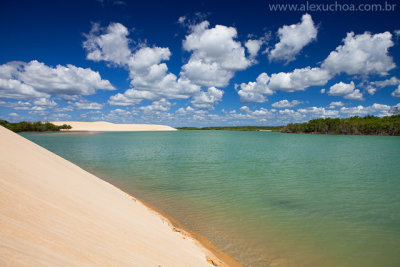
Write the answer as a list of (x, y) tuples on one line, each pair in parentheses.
[(53, 213), (102, 126)]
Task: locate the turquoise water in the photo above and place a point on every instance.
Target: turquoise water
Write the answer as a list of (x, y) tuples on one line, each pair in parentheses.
[(265, 198)]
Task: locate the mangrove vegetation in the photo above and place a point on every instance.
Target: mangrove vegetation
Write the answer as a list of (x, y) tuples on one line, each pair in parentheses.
[(26, 126), (368, 125)]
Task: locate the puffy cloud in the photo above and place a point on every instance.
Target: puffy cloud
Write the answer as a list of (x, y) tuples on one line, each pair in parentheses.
[(371, 89), (19, 105), (348, 91), (185, 111), (181, 20), (157, 107), (244, 108), (36, 80), (216, 45), (44, 102), (290, 115), (261, 114), (207, 99), (15, 89), (388, 82), (63, 109), (39, 108), (206, 74), (373, 86), (147, 59), (362, 54), (355, 95), (336, 104), (8, 70), (297, 80), (255, 91), (115, 115), (286, 104), (215, 55), (253, 46), (148, 73), (396, 93), (318, 112), (85, 104), (377, 109), (112, 46), (120, 112), (131, 97), (293, 38), (69, 80)]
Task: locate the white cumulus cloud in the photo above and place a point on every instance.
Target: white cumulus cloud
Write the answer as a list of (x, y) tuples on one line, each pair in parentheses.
[(347, 90), (253, 46), (156, 107), (216, 55), (396, 93), (362, 54), (255, 91), (85, 104), (286, 104), (297, 80), (293, 38), (111, 46), (149, 75), (318, 112), (378, 109), (37, 80), (336, 104), (207, 99)]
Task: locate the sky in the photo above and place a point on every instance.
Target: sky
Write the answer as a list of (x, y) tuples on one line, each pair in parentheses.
[(198, 63)]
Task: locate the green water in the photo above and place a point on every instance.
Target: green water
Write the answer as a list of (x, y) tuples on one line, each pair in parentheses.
[(265, 198)]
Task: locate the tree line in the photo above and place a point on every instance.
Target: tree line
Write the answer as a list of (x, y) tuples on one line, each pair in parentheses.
[(237, 128), (25, 126), (368, 125)]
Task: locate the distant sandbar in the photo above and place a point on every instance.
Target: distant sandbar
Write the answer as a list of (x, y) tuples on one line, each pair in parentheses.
[(102, 126)]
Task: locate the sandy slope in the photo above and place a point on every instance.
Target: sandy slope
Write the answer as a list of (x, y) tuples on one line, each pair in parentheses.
[(102, 126), (54, 213)]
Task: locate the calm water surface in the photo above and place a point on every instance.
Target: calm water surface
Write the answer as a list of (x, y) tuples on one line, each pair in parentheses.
[(265, 198)]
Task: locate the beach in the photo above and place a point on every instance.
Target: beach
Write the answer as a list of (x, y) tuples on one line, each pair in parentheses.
[(102, 126), (54, 213)]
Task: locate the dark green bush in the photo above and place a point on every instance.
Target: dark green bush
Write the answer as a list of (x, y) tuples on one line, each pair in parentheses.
[(25, 126), (369, 125)]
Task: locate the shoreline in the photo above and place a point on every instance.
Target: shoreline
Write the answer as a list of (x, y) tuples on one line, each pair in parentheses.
[(214, 255), (50, 233)]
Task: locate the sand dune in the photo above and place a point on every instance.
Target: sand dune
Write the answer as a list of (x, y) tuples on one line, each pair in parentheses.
[(102, 126), (53, 213)]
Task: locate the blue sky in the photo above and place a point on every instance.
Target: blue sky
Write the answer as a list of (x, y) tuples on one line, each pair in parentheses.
[(197, 63)]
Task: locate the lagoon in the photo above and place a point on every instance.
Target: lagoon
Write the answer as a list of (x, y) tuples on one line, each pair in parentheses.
[(265, 198)]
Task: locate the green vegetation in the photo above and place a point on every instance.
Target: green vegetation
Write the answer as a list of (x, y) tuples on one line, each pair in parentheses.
[(369, 125), (238, 128), (25, 126)]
